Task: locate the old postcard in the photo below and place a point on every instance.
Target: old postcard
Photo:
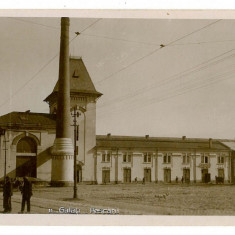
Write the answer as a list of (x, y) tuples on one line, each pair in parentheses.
[(105, 115)]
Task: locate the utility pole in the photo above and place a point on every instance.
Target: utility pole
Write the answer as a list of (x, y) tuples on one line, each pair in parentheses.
[(75, 114), (5, 163), (2, 132)]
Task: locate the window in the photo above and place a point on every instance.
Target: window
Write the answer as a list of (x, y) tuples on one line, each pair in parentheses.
[(103, 157), (167, 158), (220, 160), (204, 158), (106, 157), (186, 158), (127, 157), (147, 157), (124, 157)]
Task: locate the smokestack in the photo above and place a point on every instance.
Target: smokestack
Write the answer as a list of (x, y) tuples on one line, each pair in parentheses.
[(62, 151)]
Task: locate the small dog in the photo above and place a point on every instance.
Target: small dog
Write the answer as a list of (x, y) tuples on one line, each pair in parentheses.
[(164, 196)]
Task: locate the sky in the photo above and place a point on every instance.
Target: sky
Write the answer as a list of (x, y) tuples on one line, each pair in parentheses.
[(183, 88)]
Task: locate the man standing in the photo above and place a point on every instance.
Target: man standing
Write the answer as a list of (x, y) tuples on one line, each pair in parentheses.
[(7, 194), (26, 194)]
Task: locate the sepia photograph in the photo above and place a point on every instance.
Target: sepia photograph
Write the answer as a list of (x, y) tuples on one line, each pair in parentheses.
[(117, 116)]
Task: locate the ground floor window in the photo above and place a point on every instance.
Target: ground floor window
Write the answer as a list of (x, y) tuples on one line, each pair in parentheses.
[(127, 175), (167, 175), (147, 175), (105, 176)]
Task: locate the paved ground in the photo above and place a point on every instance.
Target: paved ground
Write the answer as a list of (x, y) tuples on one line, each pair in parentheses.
[(135, 199)]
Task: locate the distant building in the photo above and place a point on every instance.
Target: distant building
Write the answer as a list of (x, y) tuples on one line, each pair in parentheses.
[(108, 159)]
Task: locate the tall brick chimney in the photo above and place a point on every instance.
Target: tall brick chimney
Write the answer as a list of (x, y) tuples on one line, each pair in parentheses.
[(62, 151)]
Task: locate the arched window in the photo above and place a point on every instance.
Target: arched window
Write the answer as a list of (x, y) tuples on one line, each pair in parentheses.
[(26, 145)]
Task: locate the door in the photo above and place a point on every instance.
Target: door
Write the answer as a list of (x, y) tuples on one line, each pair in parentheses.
[(79, 173), (221, 173), (127, 176), (147, 175), (204, 175), (105, 176), (186, 175), (26, 166), (167, 175)]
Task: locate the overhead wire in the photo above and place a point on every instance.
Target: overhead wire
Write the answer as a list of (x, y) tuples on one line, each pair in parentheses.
[(154, 51), (177, 76), (35, 23), (183, 90), (42, 68)]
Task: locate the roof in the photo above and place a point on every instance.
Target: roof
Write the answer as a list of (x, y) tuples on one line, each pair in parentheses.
[(80, 80), (229, 144), (160, 143), (28, 119)]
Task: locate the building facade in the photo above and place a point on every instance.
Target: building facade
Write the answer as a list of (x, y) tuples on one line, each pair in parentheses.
[(29, 137)]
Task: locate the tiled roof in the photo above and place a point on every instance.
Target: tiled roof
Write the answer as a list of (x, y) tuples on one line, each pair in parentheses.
[(153, 143), (26, 119), (80, 80)]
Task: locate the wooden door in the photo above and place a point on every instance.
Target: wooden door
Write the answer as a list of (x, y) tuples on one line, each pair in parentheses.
[(221, 173), (147, 175), (106, 176), (167, 175), (127, 176), (204, 173), (186, 175)]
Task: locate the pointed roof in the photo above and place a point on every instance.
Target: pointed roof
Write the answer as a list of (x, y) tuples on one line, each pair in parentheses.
[(80, 80)]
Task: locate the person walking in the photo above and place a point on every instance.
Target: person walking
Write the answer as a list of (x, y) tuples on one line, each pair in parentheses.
[(7, 194), (26, 191)]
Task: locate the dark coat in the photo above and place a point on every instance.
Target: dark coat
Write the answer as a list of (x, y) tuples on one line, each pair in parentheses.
[(7, 189), (27, 189)]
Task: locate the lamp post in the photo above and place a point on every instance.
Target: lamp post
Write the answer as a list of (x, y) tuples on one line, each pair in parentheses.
[(75, 114), (83, 110), (2, 132)]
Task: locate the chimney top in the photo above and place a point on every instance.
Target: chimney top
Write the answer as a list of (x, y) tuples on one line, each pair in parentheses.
[(210, 142)]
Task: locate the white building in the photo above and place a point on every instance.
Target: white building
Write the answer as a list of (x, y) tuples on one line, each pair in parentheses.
[(107, 159)]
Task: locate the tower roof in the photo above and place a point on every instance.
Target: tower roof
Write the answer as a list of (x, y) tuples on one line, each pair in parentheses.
[(80, 80)]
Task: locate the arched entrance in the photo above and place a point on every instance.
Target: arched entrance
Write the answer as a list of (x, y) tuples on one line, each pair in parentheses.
[(79, 173), (26, 158)]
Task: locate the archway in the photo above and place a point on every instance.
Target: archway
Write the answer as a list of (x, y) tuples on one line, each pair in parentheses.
[(26, 158)]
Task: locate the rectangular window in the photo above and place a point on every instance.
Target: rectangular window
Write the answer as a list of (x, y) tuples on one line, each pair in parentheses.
[(108, 157), (147, 157), (124, 157), (220, 159), (167, 158), (204, 159), (103, 157), (129, 157), (186, 158)]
